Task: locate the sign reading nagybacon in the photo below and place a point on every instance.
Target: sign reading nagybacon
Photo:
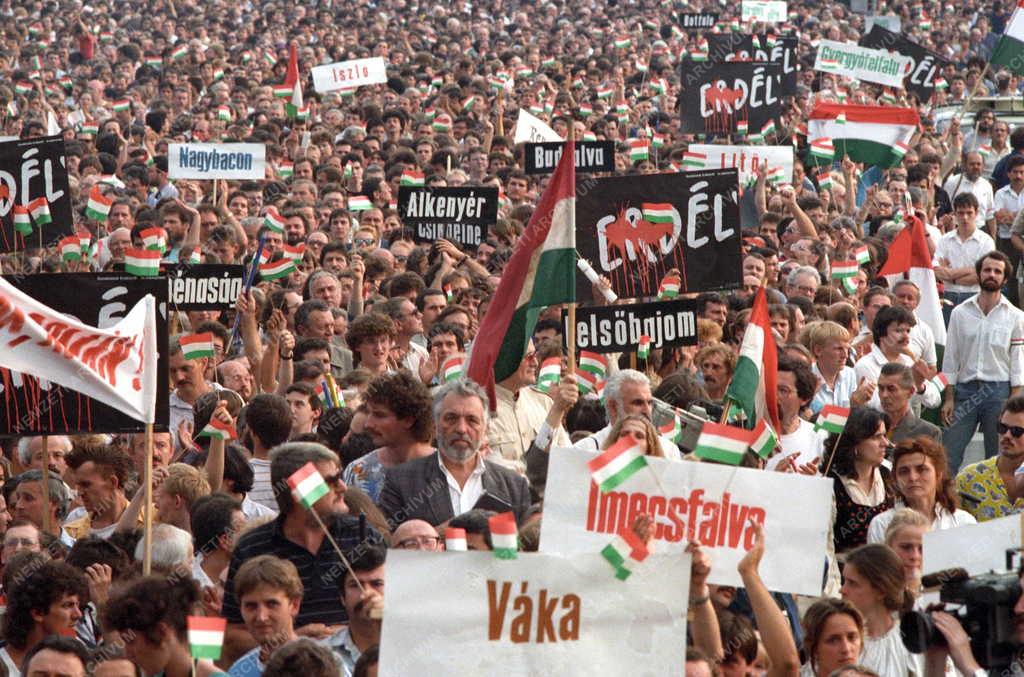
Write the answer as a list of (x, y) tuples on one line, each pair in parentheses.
[(217, 161), (697, 20), (33, 179), (35, 407), (617, 329), (459, 215), (722, 98), (204, 287), (591, 157), (635, 229)]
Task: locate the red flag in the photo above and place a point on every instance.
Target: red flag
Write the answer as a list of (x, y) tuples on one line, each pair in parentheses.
[(292, 76), (909, 259)]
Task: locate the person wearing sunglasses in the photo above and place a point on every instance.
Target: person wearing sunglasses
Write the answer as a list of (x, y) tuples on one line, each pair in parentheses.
[(993, 488)]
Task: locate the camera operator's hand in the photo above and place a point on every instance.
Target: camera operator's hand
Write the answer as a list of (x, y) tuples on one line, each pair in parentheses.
[(958, 642)]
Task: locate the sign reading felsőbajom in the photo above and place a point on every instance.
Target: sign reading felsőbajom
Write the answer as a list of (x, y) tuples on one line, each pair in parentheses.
[(704, 502), (204, 287), (617, 329), (461, 215), (591, 157), (538, 614), (217, 161), (350, 74), (862, 63)]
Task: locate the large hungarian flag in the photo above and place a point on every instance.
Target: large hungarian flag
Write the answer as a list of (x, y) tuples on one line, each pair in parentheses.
[(293, 80), (909, 259), (752, 388), (1009, 51), (541, 272), (867, 134)]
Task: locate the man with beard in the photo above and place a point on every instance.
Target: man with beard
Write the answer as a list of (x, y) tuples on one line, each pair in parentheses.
[(454, 479), (984, 360)]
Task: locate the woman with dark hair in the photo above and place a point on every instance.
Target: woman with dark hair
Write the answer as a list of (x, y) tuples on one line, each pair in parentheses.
[(861, 484), (833, 636), (922, 482)]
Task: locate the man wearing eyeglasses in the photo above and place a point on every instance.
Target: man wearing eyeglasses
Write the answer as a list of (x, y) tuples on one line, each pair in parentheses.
[(415, 535), (988, 489)]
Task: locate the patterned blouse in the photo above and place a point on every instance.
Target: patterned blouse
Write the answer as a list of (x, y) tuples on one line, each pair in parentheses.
[(983, 493)]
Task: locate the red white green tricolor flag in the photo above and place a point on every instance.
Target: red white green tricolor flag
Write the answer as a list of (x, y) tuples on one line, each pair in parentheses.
[(504, 535), (1009, 51), (70, 249), (540, 273), (870, 134), (643, 348), (142, 262), (219, 430), (196, 346), (549, 374), (206, 636), (765, 439), (832, 418), (277, 269), (455, 539), (752, 387), (98, 206), (273, 220), (908, 258), (658, 212), (452, 368), (292, 79), (842, 269), (154, 239), (40, 210), (625, 553), (621, 461), (22, 220), (723, 443), (307, 485)]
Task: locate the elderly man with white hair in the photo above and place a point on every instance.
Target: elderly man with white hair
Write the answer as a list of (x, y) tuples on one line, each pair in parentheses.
[(627, 391), (30, 452), (172, 549)]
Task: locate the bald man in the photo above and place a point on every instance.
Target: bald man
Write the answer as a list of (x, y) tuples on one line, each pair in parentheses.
[(415, 535)]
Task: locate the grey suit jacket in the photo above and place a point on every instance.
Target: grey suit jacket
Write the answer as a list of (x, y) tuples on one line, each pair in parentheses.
[(418, 489), (912, 426)]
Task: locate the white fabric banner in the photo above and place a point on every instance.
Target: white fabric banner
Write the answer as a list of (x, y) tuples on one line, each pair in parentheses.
[(469, 613), (531, 129), (773, 11), (978, 548), (349, 74), (862, 63), (706, 502), (116, 366), (745, 158), (217, 161)]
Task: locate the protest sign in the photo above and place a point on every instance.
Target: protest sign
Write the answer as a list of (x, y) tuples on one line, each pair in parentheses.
[(861, 63), (746, 158), (741, 47), (216, 161), (591, 157), (350, 74), (33, 406), (634, 229), (925, 65), (889, 22), (531, 129), (616, 329), (717, 96), (707, 502), (728, 47), (460, 215), (772, 11), (692, 21), (469, 613), (204, 287), (977, 548), (32, 172)]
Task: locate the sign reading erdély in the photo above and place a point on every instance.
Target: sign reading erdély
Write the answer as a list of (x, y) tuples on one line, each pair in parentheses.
[(217, 161), (460, 215), (350, 74), (204, 287), (616, 329), (33, 177), (697, 20), (591, 157)]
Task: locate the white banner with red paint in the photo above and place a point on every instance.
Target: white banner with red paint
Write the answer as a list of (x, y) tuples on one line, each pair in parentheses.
[(710, 503), (117, 366)]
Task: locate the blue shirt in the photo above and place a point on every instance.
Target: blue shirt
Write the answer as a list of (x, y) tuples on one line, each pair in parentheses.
[(839, 395), (248, 665)]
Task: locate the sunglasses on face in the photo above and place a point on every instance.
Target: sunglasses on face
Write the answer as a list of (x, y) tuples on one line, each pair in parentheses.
[(1014, 430)]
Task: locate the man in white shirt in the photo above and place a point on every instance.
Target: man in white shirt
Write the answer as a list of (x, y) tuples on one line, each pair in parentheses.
[(922, 338), (801, 444), (957, 252), (972, 181), (1009, 201), (983, 362)]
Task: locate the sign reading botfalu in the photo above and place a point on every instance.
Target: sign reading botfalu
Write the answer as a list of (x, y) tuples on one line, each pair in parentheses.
[(635, 229), (591, 157), (617, 329), (217, 161), (37, 407), (694, 21), (925, 65), (33, 177), (720, 98), (460, 215), (204, 287)]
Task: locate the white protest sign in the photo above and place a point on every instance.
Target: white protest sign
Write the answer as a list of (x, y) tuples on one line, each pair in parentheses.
[(469, 613), (349, 74), (978, 548), (891, 23), (217, 161), (764, 10), (862, 63), (745, 158), (706, 502), (531, 129)]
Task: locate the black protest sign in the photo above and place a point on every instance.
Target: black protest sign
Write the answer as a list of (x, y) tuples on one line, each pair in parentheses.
[(728, 47), (718, 96), (591, 157), (204, 287), (694, 21), (32, 407), (459, 215), (635, 229), (617, 329), (925, 65), (782, 52), (33, 175)]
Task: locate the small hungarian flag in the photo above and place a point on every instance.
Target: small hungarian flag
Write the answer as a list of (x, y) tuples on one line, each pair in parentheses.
[(698, 56), (940, 83), (625, 553), (862, 254), (154, 239), (467, 105), (588, 383), (768, 128), (154, 61), (723, 443), (411, 177), (621, 107), (23, 87), (218, 430), (829, 64), (658, 212), (282, 91), (672, 430), (593, 363), (841, 269), (643, 350), (658, 140), (694, 160), (273, 220), (22, 220), (294, 253), (70, 249), (442, 123), (277, 269), (98, 206), (452, 369), (455, 539), (825, 180), (224, 113), (197, 346), (832, 418), (89, 127), (285, 169), (122, 105), (586, 110), (940, 381), (926, 22), (589, 136), (616, 465), (659, 86), (742, 127), (549, 374), (40, 210), (765, 439), (84, 240), (206, 636), (638, 150), (604, 92), (359, 203), (504, 535), (622, 43), (307, 485), (823, 149), (669, 287), (179, 53), (776, 175), (142, 262)]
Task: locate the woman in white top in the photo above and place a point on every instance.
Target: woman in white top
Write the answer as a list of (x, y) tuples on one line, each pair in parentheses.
[(874, 582), (833, 636), (905, 536), (922, 482)]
